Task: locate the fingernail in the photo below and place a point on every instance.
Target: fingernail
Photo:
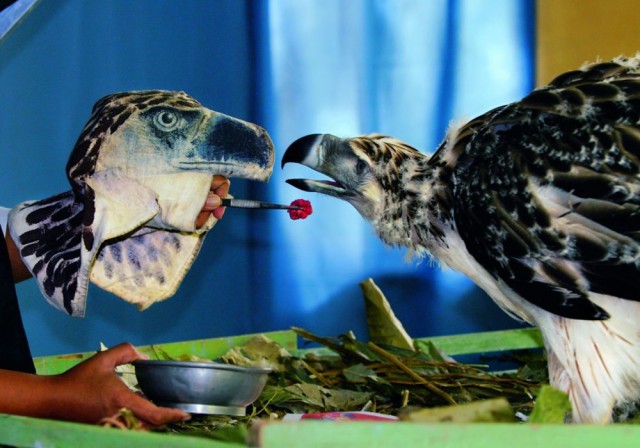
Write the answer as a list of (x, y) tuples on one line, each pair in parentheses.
[(213, 201)]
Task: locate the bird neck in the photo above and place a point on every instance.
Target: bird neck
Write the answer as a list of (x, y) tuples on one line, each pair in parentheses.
[(417, 213)]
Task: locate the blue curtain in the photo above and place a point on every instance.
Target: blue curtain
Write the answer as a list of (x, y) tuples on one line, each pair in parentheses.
[(404, 68), (53, 66)]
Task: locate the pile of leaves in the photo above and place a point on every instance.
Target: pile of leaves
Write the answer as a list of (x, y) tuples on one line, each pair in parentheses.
[(388, 374), (364, 376), (359, 375)]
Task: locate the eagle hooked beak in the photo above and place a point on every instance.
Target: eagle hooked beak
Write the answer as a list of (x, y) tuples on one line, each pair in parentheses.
[(323, 153), (232, 148)]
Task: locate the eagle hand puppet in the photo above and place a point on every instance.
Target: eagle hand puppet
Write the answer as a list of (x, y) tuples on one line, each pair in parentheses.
[(140, 173), (538, 202)]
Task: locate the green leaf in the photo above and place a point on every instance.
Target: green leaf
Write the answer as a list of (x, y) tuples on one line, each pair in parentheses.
[(484, 411), (319, 398), (359, 373), (161, 354), (215, 427), (551, 406), (194, 358), (384, 326), (428, 348), (260, 351)]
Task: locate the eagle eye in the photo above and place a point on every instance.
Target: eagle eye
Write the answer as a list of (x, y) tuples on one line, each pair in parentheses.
[(166, 120), (361, 167)]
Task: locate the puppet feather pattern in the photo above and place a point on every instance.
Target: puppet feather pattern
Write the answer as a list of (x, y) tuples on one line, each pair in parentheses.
[(140, 174)]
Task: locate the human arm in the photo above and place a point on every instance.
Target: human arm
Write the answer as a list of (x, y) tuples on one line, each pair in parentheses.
[(86, 393), (20, 271)]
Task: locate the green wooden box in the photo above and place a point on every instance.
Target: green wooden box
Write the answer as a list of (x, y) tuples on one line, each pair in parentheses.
[(30, 432)]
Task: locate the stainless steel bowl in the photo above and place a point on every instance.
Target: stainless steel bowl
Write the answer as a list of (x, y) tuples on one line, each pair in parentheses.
[(199, 387)]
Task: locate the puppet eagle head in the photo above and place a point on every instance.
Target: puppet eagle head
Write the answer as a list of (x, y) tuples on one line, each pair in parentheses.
[(139, 173)]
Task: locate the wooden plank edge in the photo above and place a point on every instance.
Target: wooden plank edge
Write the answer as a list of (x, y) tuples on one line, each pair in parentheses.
[(486, 342), (32, 432), (214, 347), (325, 434)]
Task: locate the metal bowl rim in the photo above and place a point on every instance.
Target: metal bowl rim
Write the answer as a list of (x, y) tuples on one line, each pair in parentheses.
[(205, 365)]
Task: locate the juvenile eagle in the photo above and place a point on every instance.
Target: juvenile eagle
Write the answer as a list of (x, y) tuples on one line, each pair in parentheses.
[(538, 202)]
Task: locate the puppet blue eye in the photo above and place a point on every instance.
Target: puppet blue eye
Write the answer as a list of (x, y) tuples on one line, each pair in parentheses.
[(166, 120)]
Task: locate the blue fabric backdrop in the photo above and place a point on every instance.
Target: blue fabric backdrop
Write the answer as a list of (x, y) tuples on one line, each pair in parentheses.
[(403, 67)]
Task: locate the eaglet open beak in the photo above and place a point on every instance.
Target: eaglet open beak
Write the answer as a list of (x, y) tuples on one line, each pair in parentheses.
[(322, 153)]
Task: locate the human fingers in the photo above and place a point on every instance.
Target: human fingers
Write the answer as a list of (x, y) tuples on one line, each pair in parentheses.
[(220, 187), (123, 353), (142, 408), (152, 415), (212, 203)]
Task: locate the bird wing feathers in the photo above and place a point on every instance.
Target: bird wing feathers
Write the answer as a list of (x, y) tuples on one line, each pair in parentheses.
[(37, 224), (547, 194), (116, 250)]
